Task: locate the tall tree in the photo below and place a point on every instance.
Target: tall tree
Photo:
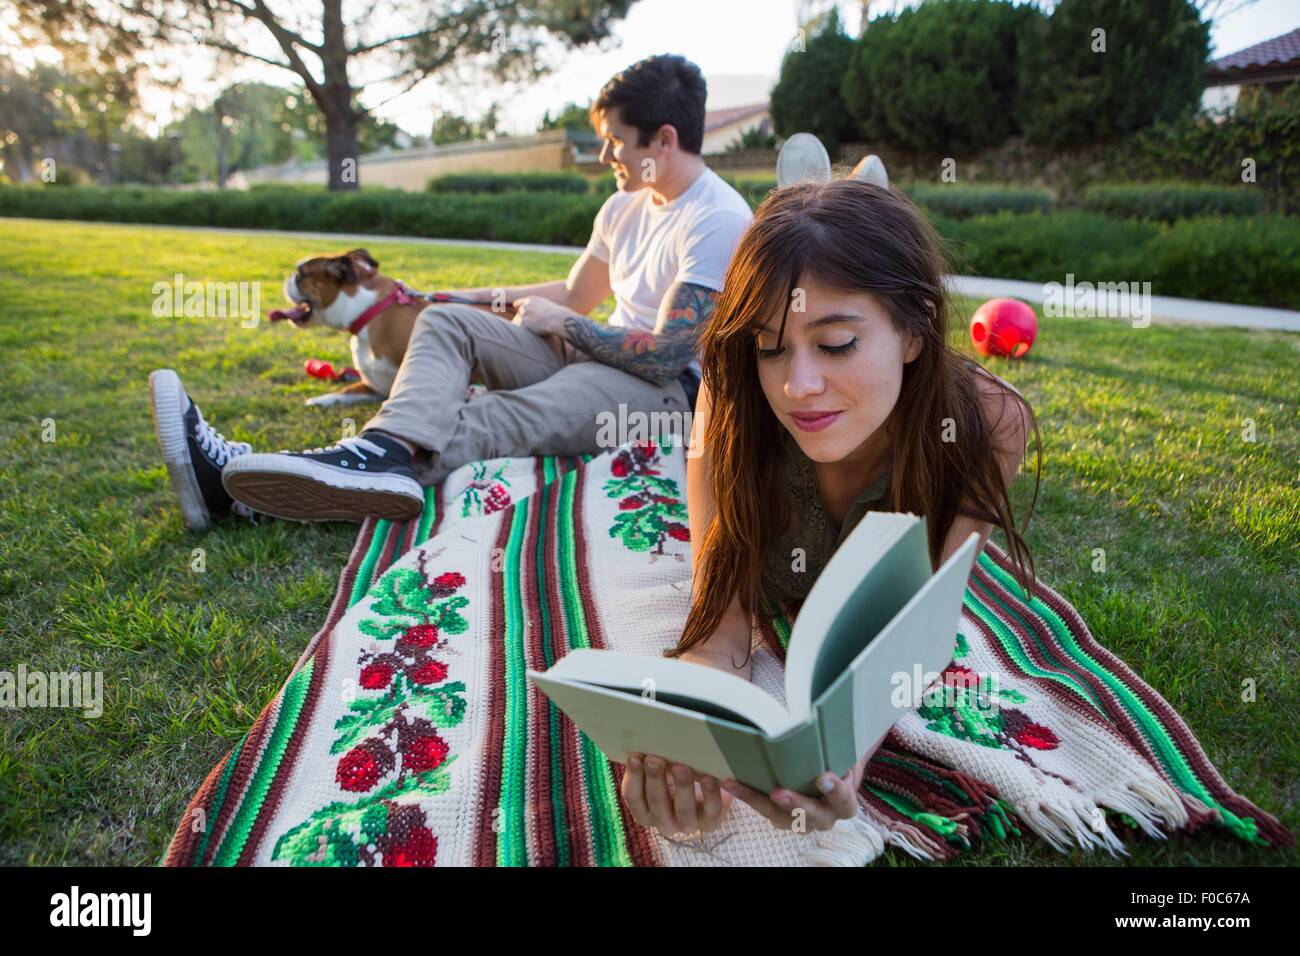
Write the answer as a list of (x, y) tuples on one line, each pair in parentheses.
[(570, 116), (328, 47), (807, 94), (1097, 70), (940, 78)]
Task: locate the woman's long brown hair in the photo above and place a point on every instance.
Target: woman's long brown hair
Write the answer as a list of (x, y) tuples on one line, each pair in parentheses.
[(856, 237)]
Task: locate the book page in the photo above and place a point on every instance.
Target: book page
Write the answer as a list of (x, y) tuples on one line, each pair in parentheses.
[(880, 565)]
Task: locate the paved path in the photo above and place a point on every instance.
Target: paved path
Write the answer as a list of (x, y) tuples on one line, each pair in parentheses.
[(1162, 308)]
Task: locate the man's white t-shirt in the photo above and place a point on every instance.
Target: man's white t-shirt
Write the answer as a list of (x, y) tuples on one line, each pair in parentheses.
[(651, 247)]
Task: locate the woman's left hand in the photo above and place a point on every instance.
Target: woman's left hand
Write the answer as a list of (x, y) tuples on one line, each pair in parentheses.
[(786, 808)]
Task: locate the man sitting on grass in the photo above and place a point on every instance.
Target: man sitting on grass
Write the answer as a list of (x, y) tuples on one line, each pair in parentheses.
[(661, 244)]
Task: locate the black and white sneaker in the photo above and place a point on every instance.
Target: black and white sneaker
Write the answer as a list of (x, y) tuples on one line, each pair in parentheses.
[(193, 451), (362, 477)]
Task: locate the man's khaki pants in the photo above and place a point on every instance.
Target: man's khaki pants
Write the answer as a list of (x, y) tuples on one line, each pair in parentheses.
[(545, 397)]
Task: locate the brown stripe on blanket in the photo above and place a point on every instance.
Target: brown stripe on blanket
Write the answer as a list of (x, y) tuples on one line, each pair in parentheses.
[(321, 648), (185, 839), (485, 841), (1121, 721)]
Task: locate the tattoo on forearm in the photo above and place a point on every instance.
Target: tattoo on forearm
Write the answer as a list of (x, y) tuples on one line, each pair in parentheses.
[(658, 356)]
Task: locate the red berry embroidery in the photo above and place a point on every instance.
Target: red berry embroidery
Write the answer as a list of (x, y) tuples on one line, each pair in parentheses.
[(362, 766), (430, 673), (376, 676), (420, 848), (421, 635), (498, 499), (1038, 737), (425, 753)]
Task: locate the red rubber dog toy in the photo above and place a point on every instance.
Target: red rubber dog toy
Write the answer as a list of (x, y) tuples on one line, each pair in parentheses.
[(1004, 327), (319, 368)]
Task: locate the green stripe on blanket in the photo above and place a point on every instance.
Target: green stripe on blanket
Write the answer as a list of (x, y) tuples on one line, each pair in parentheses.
[(410, 736)]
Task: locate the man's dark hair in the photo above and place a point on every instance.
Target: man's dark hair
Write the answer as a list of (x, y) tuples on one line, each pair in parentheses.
[(658, 91)]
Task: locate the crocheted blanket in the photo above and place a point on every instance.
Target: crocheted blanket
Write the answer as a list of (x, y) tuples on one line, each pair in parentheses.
[(407, 734)]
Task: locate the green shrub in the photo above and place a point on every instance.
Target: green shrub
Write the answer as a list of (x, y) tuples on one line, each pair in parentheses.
[(939, 78), (1036, 246), (1096, 70), (1254, 260), (1168, 202), (509, 182), (519, 216), (1257, 142), (962, 202), (302, 187), (807, 96)]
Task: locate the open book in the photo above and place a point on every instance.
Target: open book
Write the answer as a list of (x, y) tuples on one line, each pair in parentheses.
[(875, 617)]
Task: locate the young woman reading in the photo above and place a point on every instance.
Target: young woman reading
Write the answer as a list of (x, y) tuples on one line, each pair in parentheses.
[(829, 390)]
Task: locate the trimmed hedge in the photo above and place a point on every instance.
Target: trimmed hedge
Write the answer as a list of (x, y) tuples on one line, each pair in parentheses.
[(1169, 202), (509, 182), (1252, 259), (962, 202), (1038, 247), (519, 216), (507, 217)]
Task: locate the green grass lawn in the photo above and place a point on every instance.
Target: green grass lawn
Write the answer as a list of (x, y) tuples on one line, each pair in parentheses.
[(1144, 456)]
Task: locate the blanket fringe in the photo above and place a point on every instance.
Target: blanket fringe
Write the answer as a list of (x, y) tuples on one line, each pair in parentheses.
[(1066, 826), (855, 842), (918, 842), (1152, 805), (1156, 807)]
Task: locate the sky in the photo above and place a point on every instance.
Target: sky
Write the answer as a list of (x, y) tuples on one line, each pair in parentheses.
[(737, 43)]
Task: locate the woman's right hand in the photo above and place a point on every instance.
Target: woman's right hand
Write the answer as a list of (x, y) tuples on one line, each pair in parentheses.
[(673, 798)]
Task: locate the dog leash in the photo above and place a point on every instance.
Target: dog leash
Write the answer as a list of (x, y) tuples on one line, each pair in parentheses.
[(400, 295), (404, 296)]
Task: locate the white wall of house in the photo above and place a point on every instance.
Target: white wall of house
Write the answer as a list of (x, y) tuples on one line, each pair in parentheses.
[(718, 139), (1217, 99)]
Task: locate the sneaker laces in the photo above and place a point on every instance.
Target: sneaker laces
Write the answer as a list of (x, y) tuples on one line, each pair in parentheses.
[(353, 445), (215, 446)]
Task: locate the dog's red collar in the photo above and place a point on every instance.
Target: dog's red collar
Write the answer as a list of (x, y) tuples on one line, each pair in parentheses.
[(400, 294)]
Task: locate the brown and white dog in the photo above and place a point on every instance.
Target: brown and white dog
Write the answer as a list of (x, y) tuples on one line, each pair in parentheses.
[(349, 294)]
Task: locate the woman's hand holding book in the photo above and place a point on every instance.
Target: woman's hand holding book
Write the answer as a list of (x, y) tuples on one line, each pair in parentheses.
[(789, 809)]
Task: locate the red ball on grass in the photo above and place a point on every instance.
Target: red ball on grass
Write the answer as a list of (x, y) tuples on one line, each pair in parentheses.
[(1003, 327)]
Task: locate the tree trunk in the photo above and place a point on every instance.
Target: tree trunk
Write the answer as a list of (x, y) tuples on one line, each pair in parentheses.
[(335, 100), (222, 167), (341, 145)]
